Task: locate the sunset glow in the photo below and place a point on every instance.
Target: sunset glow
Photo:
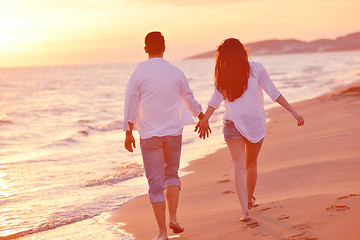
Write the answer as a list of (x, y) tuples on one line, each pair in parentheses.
[(92, 31)]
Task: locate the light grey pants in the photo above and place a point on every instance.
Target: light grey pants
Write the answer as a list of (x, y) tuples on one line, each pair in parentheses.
[(161, 157)]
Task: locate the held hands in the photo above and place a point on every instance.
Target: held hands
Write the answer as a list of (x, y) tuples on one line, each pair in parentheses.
[(129, 142), (203, 128)]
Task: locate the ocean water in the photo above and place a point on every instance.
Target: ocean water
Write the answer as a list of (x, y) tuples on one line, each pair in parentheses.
[(62, 160)]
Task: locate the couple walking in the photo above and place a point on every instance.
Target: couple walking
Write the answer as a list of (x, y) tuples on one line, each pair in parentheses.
[(157, 103)]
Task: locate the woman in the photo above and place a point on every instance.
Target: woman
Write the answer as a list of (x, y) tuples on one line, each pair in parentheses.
[(239, 84)]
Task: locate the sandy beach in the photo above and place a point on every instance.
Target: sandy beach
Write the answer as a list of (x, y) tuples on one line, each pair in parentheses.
[(308, 185)]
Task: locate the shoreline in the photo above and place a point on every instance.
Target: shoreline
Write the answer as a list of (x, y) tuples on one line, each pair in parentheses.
[(318, 162)]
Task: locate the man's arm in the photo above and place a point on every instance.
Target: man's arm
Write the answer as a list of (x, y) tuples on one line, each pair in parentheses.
[(131, 103), (188, 96), (129, 138)]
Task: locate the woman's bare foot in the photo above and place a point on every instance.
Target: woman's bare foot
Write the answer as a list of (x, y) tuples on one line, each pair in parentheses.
[(245, 217), (251, 202), (176, 227)]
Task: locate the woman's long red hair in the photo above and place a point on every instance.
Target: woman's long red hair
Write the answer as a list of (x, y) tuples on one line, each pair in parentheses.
[(232, 69)]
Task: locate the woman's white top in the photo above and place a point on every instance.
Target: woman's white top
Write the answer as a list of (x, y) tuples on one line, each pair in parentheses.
[(247, 112)]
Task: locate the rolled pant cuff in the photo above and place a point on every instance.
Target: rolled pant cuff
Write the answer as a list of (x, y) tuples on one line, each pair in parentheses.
[(157, 197), (174, 182)]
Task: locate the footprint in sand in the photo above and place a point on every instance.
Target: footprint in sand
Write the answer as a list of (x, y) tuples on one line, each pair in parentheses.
[(259, 234), (253, 224), (301, 227), (264, 209), (223, 181), (338, 208), (227, 192), (348, 196), (283, 217), (302, 237)]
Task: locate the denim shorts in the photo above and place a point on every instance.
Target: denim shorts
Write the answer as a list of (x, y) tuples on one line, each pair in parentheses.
[(231, 132)]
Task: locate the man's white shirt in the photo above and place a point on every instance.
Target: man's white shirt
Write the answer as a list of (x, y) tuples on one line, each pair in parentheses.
[(158, 99)]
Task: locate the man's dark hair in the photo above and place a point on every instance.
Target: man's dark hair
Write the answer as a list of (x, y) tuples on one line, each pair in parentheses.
[(154, 42)]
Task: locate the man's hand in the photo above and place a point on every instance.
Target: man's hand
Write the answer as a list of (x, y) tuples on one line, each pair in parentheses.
[(129, 141), (203, 128)]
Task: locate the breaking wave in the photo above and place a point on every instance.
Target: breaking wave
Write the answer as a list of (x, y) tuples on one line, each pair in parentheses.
[(124, 172)]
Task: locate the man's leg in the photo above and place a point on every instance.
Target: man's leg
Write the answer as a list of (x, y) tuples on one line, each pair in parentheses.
[(153, 157), (159, 212), (172, 197), (172, 150)]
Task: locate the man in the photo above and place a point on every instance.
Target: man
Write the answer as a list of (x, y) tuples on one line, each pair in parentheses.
[(153, 101)]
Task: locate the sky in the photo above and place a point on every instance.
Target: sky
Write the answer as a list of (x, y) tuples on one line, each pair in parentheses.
[(67, 32)]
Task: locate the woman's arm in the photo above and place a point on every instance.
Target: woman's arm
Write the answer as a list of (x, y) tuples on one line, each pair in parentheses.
[(282, 101), (202, 127)]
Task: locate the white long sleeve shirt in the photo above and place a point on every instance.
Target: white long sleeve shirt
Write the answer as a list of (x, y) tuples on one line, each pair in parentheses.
[(247, 112), (158, 99)]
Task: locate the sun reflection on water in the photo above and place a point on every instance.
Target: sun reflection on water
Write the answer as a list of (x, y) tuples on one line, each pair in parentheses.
[(3, 115), (7, 216), (5, 191)]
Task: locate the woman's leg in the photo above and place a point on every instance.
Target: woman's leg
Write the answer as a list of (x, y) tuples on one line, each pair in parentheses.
[(252, 152), (237, 151)]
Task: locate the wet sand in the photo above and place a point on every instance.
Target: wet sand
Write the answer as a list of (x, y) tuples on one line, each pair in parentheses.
[(308, 185)]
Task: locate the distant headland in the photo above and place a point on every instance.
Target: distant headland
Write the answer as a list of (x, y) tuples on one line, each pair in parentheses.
[(274, 46)]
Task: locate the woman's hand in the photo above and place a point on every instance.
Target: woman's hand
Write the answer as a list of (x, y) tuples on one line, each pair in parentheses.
[(203, 128), (299, 119)]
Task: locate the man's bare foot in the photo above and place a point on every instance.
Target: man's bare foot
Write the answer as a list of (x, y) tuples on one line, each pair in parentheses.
[(161, 237)]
